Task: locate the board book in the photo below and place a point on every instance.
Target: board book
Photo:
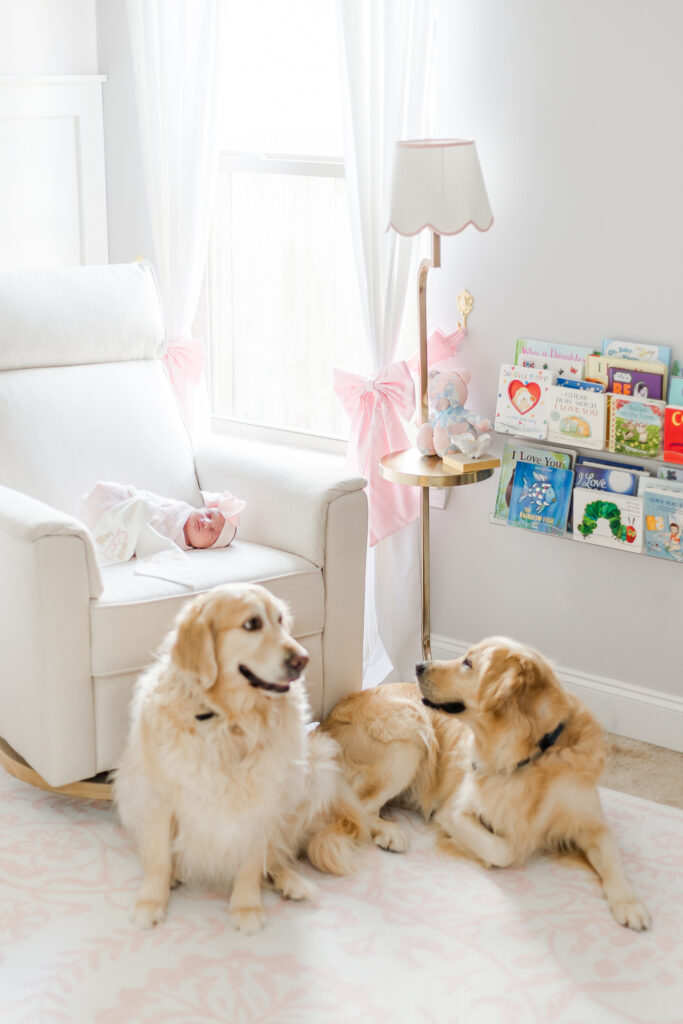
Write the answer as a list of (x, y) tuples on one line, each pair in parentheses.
[(640, 350), (578, 416), (557, 458), (636, 427), (540, 498), (673, 434), (634, 380), (521, 405), (609, 520), (663, 522)]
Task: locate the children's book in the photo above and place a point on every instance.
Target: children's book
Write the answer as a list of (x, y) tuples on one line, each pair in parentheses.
[(663, 523), (675, 396), (669, 473), (628, 378), (579, 385), (610, 520), (673, 434), (563, 368), (568, 354), (594, 460), (540, 498), (596, 369), (636, 427), (557, 458), (521, 406), (640, 350), (675, 486), (578, 416), (625, 375), (606, 478)]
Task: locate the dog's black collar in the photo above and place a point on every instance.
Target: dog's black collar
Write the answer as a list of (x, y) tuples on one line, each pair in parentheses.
[(545, 742), (453, 708), (205, 715)]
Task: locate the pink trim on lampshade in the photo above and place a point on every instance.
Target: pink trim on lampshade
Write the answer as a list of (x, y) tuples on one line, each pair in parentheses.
[(438, 231)]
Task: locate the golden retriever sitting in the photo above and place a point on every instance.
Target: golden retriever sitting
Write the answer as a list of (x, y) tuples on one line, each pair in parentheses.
[(496, 753), (220, 782)]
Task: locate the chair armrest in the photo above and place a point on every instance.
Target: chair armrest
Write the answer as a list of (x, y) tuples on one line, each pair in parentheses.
[(288, 492), (27, 519)]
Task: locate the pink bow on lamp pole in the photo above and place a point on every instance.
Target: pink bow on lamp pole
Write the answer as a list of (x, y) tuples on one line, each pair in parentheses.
[(184, 360), (375, 407)]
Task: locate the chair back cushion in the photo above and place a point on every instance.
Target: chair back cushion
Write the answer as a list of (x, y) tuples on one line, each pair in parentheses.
[(84, 395)]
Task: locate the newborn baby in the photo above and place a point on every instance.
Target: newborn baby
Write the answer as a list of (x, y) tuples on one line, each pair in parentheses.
[(125, 521)]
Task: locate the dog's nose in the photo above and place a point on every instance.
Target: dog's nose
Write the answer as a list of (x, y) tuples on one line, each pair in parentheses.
[(295, 664), (420, 667)]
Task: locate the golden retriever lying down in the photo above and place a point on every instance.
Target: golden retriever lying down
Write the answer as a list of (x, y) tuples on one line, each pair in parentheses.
[(220, 782), (495, 752)]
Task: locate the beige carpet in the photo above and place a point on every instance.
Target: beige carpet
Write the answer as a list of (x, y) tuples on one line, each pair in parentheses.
[(653, 773)]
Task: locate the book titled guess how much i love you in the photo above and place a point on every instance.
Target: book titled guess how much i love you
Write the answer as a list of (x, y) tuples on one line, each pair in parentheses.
[(521, 406), (578, 416)]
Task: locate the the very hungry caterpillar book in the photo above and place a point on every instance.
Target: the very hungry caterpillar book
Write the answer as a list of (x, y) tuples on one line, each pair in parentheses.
[(576, 416), (521, 402), (558, 458), (611, 520), (540, 497)]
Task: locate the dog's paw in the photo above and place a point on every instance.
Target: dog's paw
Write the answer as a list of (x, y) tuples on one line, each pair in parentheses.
[(296, 887), (247, 920), (631, 913), (147, 913), (390, 837)]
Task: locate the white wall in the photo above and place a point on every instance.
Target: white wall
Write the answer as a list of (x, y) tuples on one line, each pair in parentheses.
[(575, 107), (47, 37)]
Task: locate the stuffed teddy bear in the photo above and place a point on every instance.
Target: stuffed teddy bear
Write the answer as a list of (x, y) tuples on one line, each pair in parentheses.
[(449, 418)]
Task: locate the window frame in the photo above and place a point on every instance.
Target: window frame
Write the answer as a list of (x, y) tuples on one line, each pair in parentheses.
[(234, 161)]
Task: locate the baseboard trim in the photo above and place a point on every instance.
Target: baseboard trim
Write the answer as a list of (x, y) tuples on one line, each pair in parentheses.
[(621, 708)]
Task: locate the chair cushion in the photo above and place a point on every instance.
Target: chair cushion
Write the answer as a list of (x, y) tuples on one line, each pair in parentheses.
[(70, 315), (134, 613), (65, 428)]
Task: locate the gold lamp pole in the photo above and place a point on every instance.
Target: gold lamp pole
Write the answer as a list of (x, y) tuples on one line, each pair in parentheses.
[(437, 184)]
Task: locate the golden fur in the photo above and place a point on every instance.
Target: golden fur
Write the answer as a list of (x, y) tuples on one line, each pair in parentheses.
[(233, 798), (477, 771)]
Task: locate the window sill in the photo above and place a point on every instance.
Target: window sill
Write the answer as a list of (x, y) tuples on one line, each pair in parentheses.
[(278, 435)]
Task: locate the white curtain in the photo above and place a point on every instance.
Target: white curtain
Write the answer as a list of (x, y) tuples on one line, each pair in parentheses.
[(387, 53), (176, 59)]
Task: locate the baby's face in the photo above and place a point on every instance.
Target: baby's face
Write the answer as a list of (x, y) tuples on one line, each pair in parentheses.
[(203, 527)]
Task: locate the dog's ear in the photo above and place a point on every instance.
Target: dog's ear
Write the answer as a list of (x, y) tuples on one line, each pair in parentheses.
[(194, 647), (512, 676)]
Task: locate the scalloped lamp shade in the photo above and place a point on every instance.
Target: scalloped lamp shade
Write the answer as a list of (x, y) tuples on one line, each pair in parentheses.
[(438, 184)]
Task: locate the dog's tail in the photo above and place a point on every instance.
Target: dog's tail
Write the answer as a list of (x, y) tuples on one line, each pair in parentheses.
[(334, 848), (337, 824)]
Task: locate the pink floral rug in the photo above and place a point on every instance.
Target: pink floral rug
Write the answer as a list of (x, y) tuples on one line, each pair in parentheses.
[(418, 938)]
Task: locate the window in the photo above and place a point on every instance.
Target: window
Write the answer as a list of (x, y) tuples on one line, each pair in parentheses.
[(284, 303)]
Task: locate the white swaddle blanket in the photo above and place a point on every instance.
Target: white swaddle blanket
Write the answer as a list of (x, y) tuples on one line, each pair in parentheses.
[(126, 522)]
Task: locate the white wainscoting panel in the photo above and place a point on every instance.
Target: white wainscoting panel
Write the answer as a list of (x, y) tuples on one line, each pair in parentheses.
[(53, 210), (638, 712)]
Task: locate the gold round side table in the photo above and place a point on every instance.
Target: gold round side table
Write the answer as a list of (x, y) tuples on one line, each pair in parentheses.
[(425, 471)]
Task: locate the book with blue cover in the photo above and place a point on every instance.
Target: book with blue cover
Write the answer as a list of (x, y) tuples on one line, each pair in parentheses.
[(616, 480), (540, 498), (560, 458), (643, 351), (663, 521)]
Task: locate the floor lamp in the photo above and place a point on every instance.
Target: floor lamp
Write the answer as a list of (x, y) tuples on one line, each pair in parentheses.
[(437, 184)]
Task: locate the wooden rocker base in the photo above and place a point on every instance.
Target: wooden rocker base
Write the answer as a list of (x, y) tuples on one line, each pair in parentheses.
[(97, 788)]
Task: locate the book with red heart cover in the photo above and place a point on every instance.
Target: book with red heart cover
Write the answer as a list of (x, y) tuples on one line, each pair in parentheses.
[(578, 416), (521, 406)]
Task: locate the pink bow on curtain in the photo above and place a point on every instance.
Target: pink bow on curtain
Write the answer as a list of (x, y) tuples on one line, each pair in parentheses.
[(184, 359), (440, 347), (375, 406)]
